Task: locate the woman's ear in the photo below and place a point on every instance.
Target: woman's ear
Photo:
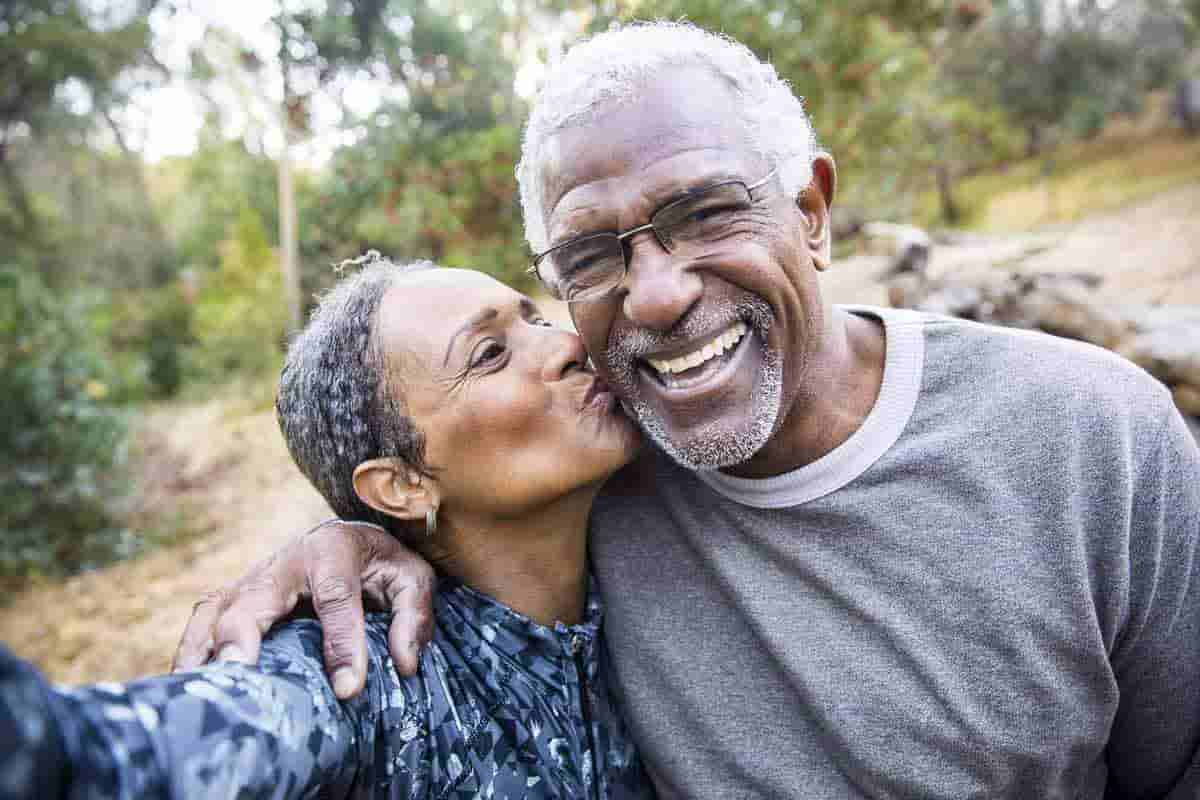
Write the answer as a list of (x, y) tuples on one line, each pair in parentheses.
[(393, 488), (815, 202)]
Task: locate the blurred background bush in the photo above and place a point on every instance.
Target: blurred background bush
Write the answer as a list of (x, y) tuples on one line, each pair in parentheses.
[(61, 433)]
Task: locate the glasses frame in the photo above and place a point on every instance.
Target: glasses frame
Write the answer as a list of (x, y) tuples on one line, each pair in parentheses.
[(621, 236)]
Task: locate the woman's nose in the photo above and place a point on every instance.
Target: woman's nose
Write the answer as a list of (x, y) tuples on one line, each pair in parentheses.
[(564, 353)]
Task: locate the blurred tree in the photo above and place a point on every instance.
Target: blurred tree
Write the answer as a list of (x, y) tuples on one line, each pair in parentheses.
[(1065, 68), (200, 196), (60, 66), (452, 200), (448, 69), (430, 173)]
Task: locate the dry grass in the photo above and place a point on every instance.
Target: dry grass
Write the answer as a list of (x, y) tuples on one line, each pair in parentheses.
[(1123, 168)]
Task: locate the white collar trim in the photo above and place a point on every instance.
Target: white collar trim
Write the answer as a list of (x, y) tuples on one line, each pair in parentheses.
[(903, 364)]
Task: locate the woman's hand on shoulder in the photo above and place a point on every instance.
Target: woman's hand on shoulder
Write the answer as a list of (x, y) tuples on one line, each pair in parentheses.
[(334, 565)]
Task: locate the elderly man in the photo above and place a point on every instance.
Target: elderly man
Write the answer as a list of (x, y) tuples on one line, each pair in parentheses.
[(871, 553)]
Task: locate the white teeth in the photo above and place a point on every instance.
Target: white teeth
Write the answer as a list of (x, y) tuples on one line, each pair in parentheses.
[(718, 345)]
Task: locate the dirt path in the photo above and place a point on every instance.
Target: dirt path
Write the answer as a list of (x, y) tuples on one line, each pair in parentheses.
[(124, 621)]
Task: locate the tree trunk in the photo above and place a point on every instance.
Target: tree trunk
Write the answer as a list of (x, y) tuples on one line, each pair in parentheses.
[(1033, 141), (287, 234), (287, 197), (951, 213)]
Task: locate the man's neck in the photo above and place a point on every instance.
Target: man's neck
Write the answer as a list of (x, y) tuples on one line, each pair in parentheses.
[(839, 390), (535, 564)]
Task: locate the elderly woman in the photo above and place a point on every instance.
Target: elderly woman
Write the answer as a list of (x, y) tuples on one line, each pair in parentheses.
[(439, 404)]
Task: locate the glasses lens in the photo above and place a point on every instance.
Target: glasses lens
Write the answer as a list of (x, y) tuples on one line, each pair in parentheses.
[(703, 218), (584, 268)]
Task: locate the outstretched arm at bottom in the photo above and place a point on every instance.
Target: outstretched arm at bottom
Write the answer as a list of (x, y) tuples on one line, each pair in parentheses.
[(273, 730)]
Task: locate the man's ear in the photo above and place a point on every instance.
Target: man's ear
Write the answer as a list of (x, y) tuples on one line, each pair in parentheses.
[(815, 202), (393, 488)]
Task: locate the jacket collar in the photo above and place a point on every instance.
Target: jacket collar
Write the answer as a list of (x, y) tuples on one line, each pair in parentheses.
[(547, 652)]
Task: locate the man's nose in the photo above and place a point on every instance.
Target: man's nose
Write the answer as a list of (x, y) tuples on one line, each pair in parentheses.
[(659, 289)]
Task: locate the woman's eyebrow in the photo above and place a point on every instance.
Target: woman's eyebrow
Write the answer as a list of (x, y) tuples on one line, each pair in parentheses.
[(476, 321)]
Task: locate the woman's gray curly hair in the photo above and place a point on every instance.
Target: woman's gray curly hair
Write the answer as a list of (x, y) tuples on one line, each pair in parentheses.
[(335, 405), (611, 67)]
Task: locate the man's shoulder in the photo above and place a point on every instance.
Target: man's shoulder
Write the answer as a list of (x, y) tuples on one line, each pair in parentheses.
[(1036, 367), (989, 381)]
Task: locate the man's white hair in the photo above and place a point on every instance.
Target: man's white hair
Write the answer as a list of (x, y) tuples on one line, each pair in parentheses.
[(609, 69)]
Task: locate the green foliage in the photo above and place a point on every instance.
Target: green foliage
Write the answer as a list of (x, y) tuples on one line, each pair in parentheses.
[(146, 334), (1064, 74), (448, 56), (431, 177), (63, 441), (168, 331), (240, 315), (204, 194), (47, 46), (453, 200)]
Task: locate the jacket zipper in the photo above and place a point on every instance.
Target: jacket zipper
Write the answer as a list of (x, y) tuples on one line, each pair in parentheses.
[(585, 705)]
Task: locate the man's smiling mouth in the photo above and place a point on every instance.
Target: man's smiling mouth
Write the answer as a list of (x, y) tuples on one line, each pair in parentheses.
[(700, 362)]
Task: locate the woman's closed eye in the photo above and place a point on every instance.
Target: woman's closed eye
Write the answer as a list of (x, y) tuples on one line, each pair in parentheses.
[(488, 352)]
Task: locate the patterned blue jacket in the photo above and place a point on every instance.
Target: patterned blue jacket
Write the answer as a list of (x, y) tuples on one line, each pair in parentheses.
[(501, 707)]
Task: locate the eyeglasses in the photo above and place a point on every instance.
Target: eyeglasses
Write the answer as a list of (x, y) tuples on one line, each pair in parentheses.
[(591, 266)]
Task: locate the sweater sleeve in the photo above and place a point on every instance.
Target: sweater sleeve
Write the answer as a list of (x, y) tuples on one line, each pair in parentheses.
[(1154, 745), (271, 730)]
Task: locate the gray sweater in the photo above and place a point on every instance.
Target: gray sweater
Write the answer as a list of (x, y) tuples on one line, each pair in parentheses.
[(991, 590)]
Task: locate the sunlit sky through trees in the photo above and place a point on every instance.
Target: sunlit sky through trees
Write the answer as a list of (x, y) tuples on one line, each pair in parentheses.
[(168, 114)]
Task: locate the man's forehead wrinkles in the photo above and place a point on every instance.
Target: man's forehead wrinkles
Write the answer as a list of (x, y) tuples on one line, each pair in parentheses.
[(629, 189)]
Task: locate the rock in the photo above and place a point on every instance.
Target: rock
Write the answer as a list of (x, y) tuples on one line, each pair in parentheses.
[(1172, 353), (1163, 340), (1070, 309), (1187, 399)]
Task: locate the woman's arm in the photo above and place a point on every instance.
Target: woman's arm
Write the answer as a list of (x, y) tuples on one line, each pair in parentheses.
[(271, 730)]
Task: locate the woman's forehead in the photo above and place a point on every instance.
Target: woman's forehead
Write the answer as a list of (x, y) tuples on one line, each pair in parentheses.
[(421, 311)]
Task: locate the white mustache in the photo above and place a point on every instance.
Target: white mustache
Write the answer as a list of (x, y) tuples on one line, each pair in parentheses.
[(630, 344)]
